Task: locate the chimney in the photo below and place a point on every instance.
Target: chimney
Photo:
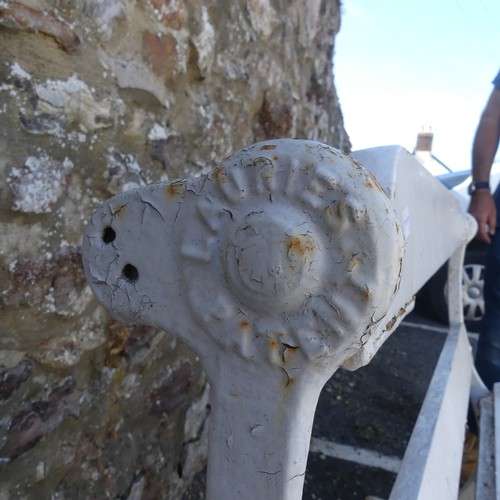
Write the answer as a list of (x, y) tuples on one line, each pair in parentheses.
[(424, 141)]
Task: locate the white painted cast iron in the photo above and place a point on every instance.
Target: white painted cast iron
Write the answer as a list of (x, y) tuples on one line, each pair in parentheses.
[(278, 267)]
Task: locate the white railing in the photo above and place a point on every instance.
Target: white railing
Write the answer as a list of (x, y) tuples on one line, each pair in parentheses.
[(284, 263)]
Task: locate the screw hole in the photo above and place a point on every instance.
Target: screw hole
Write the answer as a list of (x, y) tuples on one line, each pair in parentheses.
[(130, 273), (108, 235)]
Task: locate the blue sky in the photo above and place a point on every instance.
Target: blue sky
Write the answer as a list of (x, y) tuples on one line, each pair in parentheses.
[(401, 66)]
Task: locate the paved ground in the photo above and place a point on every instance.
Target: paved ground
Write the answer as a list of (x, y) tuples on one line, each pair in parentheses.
[(367, 416), (371, 412)]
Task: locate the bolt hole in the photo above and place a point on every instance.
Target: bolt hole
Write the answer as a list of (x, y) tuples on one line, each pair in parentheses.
[(130, 273), (108, 235)]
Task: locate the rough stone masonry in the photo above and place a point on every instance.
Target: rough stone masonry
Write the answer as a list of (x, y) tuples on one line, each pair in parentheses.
[(97, 97)]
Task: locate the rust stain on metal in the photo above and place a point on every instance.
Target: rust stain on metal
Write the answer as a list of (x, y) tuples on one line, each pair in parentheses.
[(267, 147), (20, 16), (329, 211), (354, 262), (245, 325), (120, 211), (291, 348), (372, 183), (219, 175), (393, 320), (272, 343), (289, 381), (174, 189), (300, 246)]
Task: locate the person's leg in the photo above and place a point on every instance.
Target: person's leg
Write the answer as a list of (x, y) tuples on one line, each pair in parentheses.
[(488, 349)]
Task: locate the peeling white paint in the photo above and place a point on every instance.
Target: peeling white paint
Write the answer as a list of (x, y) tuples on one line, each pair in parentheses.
[(283, 264), (267, 286)]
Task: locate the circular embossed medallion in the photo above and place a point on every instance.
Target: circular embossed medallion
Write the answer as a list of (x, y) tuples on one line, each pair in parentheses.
[(271, 267), (295, 245)]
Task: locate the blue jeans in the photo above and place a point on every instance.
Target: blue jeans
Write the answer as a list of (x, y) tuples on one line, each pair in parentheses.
[(488, 349)]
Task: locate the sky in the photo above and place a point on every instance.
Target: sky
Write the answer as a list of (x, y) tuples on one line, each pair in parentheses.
[(403, 66)]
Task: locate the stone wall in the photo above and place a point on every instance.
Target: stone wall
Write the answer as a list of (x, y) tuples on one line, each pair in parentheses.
[(96, 97)]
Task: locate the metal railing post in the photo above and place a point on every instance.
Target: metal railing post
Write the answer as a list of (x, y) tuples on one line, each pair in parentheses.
[(284, 263)]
